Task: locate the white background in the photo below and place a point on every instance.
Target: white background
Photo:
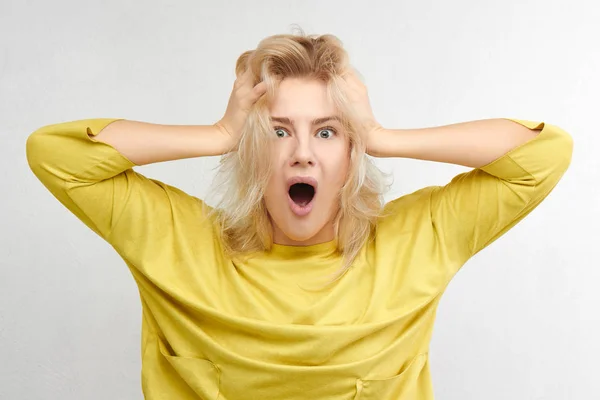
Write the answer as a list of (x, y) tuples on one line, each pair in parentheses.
[(520, 321)]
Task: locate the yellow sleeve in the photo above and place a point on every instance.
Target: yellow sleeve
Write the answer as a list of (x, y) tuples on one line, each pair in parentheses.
[(479, 206), (99, 186)]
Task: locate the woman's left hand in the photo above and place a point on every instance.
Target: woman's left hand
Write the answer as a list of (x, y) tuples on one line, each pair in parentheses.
[(359, 99)]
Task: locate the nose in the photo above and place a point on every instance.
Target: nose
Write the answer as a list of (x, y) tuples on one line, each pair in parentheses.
[(303, 155)]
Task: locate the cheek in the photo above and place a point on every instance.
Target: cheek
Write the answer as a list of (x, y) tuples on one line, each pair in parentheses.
[(270, 201), (337, 163), (271, 189), (278, 153), (276, 169)]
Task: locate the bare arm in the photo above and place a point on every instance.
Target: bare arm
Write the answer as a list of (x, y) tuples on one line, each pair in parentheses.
[(471, 144), (147, 143), (87, 164)]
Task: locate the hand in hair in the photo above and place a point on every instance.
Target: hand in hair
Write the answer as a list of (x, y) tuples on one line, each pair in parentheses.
[(243, 96), (358, 97)]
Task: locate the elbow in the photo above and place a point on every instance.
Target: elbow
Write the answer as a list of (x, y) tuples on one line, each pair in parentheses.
[(34, 150), (564, 149), (39, 151)]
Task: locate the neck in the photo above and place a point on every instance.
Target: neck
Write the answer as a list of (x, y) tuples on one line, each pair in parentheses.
[(326, 234)]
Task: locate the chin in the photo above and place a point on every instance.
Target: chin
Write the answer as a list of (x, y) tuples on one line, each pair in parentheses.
[(300, 232), (289, 229), (300, 236)]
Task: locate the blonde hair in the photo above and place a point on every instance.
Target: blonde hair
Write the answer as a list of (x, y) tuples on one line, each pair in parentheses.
[(241, 215)]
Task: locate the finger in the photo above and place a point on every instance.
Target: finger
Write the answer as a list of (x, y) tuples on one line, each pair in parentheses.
[(348, 80), (355, 83), (353, 80), (349, 85), (348, 73), (245, 77), (353, 76), (258, 91), (241, 79)]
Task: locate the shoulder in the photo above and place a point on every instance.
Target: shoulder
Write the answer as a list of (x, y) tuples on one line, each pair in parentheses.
[(409, 208), (409, 202)]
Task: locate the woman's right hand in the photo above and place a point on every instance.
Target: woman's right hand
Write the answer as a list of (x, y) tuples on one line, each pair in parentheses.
[(242, 98)]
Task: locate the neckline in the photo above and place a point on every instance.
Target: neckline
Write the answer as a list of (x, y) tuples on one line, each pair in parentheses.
[(299, 250)]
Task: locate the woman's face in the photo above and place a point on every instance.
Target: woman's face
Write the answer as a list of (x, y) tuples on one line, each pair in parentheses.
[(310, 154)]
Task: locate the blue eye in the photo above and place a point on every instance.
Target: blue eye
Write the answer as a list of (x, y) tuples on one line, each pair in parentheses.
[(329, 133), (280, 132), (324, 133)]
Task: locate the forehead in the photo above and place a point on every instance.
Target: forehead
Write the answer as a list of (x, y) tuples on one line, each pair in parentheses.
[(298, 98)]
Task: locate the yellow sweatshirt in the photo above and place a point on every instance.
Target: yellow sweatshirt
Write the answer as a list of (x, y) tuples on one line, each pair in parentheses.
[(217, 328)]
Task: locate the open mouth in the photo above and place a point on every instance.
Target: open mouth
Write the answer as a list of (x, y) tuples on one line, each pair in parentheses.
[(302, 193)]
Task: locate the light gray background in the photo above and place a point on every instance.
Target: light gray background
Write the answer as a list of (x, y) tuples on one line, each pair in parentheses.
[(520, 321)]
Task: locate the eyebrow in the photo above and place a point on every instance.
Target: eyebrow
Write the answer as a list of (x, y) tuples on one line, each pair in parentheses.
[(316, 121)]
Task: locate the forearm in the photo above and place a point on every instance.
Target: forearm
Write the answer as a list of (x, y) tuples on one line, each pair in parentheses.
[(146, 143), (471, 144)]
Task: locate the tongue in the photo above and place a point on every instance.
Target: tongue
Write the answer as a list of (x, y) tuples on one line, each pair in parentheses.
[(301, 194)]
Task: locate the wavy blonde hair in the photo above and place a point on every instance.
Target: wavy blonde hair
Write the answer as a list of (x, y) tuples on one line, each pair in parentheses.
[(243, 221)]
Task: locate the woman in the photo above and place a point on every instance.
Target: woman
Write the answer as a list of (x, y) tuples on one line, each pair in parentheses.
[(301, 283)]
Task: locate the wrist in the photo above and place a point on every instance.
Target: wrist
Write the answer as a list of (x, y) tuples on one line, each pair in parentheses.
[(376, 141), (227, 141)]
